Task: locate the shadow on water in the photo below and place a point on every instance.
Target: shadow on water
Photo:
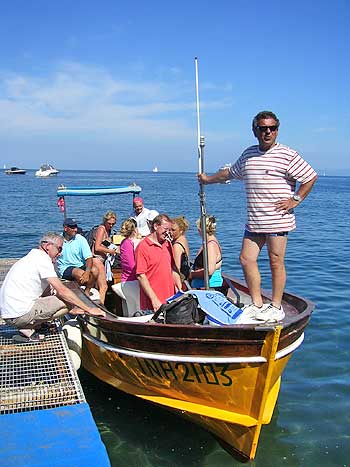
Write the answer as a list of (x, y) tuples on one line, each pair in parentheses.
[(138, 433)]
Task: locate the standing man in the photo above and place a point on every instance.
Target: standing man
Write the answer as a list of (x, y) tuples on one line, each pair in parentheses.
[(77, 263), (269, 171), (22, 303), (155, 266), (142, 216)]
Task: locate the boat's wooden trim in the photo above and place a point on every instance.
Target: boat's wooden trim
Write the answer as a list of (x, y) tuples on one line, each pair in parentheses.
[(244, 341), (192, 358)]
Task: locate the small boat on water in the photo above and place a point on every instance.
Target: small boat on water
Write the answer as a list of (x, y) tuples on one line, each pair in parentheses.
[(224, 378), (155, 169), (46, 170), (15, 171)]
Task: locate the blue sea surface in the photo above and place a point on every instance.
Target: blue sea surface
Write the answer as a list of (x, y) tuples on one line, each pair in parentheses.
[(310, 426)]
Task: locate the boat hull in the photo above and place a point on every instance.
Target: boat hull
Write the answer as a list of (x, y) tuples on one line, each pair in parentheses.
[(230, 399), (224, 378)]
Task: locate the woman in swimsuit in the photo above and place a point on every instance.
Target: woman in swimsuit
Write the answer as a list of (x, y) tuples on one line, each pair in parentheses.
[(103, 233), (181, 249), (214, 259)]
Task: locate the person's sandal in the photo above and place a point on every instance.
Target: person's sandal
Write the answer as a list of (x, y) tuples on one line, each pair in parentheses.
[(21, 339)]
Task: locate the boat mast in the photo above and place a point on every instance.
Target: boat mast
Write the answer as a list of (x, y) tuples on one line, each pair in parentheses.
[(200, 145)]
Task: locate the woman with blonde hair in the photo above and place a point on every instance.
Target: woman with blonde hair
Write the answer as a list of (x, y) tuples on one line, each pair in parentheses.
[(103, 233), (128, 288), (214, 258), (181, 250)]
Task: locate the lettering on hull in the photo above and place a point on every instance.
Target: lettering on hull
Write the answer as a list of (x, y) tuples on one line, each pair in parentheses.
[(198, 373)]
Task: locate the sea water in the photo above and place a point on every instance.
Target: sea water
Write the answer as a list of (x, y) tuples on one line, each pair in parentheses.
[(311, 422)]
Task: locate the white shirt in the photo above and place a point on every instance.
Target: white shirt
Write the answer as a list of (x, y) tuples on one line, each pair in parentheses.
[(24, 283), (141, 220), (269, 177)]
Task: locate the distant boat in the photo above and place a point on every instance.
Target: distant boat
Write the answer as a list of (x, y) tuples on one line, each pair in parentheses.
[(15, 171), (155, 169), (46, 170)]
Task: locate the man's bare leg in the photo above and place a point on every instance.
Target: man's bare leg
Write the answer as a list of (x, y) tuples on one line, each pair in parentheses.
[(78, 274), (250, 251), (277, 249)]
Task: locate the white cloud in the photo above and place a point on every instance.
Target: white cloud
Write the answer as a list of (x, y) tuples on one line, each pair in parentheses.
[(324, 129), (77, 98)]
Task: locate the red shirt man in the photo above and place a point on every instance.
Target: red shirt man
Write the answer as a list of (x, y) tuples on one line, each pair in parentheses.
[(155, 267)]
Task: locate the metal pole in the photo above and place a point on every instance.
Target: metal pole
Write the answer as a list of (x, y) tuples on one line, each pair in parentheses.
[(201, 144)]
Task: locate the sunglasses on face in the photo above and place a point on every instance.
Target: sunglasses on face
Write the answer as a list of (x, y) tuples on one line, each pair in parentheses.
[(59, 248), (264, 128), (72, 226)]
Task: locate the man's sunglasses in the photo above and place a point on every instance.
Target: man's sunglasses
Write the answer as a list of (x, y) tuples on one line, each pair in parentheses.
[(59, 248), (264, 128)]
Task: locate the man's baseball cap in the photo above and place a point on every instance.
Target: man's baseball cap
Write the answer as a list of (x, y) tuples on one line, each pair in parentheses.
[(151, 215), (70, 222)]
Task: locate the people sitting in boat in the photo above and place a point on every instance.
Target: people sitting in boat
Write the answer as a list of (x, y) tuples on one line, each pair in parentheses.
[(128, 289), (103, 234), (181, 249), (214, 258), (155, 266), (141, 216), (77, 262), (24, 301)]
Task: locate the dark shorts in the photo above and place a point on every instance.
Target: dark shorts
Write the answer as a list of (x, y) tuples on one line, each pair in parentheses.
[(68, 272), (248, 234)]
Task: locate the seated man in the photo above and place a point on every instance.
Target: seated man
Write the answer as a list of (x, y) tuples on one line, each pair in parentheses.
[(22, 303), (77, 262)]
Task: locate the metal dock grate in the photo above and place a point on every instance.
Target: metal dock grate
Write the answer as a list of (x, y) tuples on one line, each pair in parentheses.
[(38, 375)]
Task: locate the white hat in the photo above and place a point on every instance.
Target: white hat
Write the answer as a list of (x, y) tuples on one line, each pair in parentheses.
[(151, 215)]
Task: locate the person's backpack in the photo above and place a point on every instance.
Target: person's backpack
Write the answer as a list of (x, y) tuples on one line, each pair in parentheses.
[(182, 310), (90, 235)]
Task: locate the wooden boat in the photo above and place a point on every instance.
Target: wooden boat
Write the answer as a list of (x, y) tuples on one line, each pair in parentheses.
[(224, 378), (15, 171)]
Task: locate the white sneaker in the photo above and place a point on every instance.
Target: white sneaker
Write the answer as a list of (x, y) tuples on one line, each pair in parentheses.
[(248, 314), (270, 313)]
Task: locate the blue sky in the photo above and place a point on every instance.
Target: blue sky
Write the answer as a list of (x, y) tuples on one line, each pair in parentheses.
[(111, 84)]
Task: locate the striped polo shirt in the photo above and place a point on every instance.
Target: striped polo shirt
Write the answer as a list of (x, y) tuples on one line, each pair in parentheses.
[(269, 177)]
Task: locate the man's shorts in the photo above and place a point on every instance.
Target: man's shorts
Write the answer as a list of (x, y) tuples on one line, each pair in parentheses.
[(248, 234), (44, 309), (68, 272)]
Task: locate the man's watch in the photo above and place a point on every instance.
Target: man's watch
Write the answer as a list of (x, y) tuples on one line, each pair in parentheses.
[(297, 198)]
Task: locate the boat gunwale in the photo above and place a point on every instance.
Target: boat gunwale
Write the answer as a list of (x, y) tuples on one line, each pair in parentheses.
[(194, 358), (196, 340)]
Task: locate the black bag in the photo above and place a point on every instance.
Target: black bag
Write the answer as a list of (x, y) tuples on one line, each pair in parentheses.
[(90, 235), (117, 262), (182, 310)]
